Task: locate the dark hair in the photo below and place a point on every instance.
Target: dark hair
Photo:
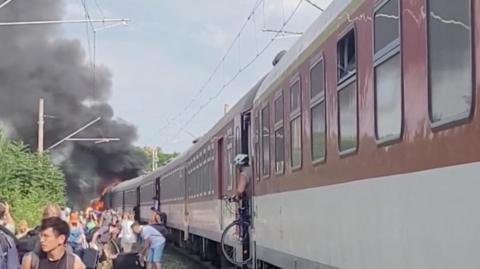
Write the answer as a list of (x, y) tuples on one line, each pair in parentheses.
[(136, 223), (59, 226)]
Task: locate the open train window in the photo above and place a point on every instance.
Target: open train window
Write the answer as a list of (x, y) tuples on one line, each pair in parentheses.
[(388, 71), (450, 60), (346, 57), (296, 125), (266, 141), (279, 136), (347, 93), (317, 109)]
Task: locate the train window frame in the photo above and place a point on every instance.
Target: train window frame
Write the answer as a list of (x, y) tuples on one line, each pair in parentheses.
[(262, 161), (294, 116), (381, 57), (278, 125), (343, 83), (461, 118), (317, 100), (257, 150)]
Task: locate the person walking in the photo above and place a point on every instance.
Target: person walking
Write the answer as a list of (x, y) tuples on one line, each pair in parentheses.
[(76, 239), (54, 254)]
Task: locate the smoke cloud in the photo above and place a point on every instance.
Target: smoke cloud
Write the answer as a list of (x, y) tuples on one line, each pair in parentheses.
[(37, 62)]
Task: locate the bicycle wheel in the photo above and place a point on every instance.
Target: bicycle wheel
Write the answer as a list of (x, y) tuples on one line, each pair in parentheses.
[(236, 233)]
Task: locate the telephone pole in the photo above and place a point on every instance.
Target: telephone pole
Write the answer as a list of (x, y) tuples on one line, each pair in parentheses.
[(41, 123)]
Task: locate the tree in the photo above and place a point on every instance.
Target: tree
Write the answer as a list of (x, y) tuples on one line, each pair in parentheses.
[(28, 181), (161, 158)]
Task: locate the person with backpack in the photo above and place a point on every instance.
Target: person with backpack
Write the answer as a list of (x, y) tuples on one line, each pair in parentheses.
[(54, 254), (8, 250), (154, 243), (76, 238)]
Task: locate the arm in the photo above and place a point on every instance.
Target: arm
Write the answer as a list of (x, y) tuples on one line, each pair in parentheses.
[(146, 246), (8, 218), (26, 262), (242, 184)]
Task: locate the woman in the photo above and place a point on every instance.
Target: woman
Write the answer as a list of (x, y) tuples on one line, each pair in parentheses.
[(127, 237), (22, 229), (76, 239)]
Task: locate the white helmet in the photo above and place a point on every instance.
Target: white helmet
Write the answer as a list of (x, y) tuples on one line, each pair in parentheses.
[(240, 160)]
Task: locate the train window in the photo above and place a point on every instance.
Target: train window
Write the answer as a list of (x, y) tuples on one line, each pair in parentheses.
[(346, 57), (279, 136), (388, 76), (347, 93), (257, 148), (295, 126), (450, 60), (347, 103), (266, 141), (317, 109), (295, 97)]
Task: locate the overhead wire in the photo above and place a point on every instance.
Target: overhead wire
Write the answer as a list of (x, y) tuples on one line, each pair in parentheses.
[(212, 98), (217, 68)]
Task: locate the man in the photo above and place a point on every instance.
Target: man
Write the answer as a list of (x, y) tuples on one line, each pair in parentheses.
[(243, 185), (106, 219), (8, 250), (154, 243), (53, 241), (101, 240)]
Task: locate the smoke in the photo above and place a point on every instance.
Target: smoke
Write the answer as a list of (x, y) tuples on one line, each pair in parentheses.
[(37, 62)]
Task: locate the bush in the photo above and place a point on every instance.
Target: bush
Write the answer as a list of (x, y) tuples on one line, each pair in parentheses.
[(28, 181)]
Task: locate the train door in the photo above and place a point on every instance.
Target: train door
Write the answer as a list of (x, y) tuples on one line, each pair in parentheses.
[(157, 194), (220, 171)]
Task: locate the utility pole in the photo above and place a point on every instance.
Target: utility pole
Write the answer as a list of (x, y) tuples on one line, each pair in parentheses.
[(41, 123), (154, 158)]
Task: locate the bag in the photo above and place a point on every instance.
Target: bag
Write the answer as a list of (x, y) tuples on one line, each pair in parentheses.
[(127, 261), (90, 257), (8, 252), (89, 234), (27, 243), (161, 229)]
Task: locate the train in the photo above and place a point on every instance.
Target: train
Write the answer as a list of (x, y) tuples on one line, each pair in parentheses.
[(364, 145)]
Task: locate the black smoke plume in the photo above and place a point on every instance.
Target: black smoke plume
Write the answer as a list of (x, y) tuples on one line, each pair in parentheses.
[(37, 62)]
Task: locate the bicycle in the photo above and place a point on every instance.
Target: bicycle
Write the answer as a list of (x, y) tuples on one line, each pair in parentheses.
[(236, 234)]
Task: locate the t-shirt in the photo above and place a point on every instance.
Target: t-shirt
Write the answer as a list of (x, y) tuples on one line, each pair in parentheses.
[(106, 219), (127, 234), (155, 237), (44, 263)]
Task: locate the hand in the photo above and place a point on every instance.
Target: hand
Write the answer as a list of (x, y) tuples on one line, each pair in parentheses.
[(7, 208)]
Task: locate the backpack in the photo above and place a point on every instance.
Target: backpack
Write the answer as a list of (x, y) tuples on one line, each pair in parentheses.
[(8, 252), (161, 229), (35, 260), (27, 243)]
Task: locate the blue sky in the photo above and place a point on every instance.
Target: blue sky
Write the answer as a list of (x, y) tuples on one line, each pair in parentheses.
[(170, 48)]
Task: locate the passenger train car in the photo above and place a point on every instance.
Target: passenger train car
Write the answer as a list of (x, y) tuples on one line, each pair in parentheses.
[(363, 141)]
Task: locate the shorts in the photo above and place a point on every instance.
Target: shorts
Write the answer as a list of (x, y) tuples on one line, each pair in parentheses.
[(155, 254)]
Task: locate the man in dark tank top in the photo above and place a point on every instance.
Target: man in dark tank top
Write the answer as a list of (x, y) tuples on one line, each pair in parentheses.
[(54, 254)]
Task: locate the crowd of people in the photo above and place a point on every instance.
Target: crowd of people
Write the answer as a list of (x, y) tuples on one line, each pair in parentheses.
[(68, 239)]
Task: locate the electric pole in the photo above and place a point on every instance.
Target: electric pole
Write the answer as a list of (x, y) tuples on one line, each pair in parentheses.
[(41, 123)]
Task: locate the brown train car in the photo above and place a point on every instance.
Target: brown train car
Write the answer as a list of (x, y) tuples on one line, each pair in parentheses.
[(367, 140)]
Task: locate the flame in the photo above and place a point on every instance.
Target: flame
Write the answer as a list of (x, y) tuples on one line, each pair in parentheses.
[(98, 204)]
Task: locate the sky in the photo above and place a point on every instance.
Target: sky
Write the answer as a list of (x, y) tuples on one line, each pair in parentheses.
[(169, 50)]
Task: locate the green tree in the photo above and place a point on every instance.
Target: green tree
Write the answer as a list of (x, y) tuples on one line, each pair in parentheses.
[(28, 181), (161, 158)]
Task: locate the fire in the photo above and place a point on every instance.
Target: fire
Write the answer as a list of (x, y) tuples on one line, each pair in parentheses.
[(98, 204)]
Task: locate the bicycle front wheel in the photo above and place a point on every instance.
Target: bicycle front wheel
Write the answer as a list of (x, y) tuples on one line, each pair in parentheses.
[(235, 243)]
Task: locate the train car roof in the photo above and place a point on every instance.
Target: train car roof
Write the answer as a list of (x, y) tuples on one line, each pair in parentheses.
[(244, 104), (318, 31), (128, 184)]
